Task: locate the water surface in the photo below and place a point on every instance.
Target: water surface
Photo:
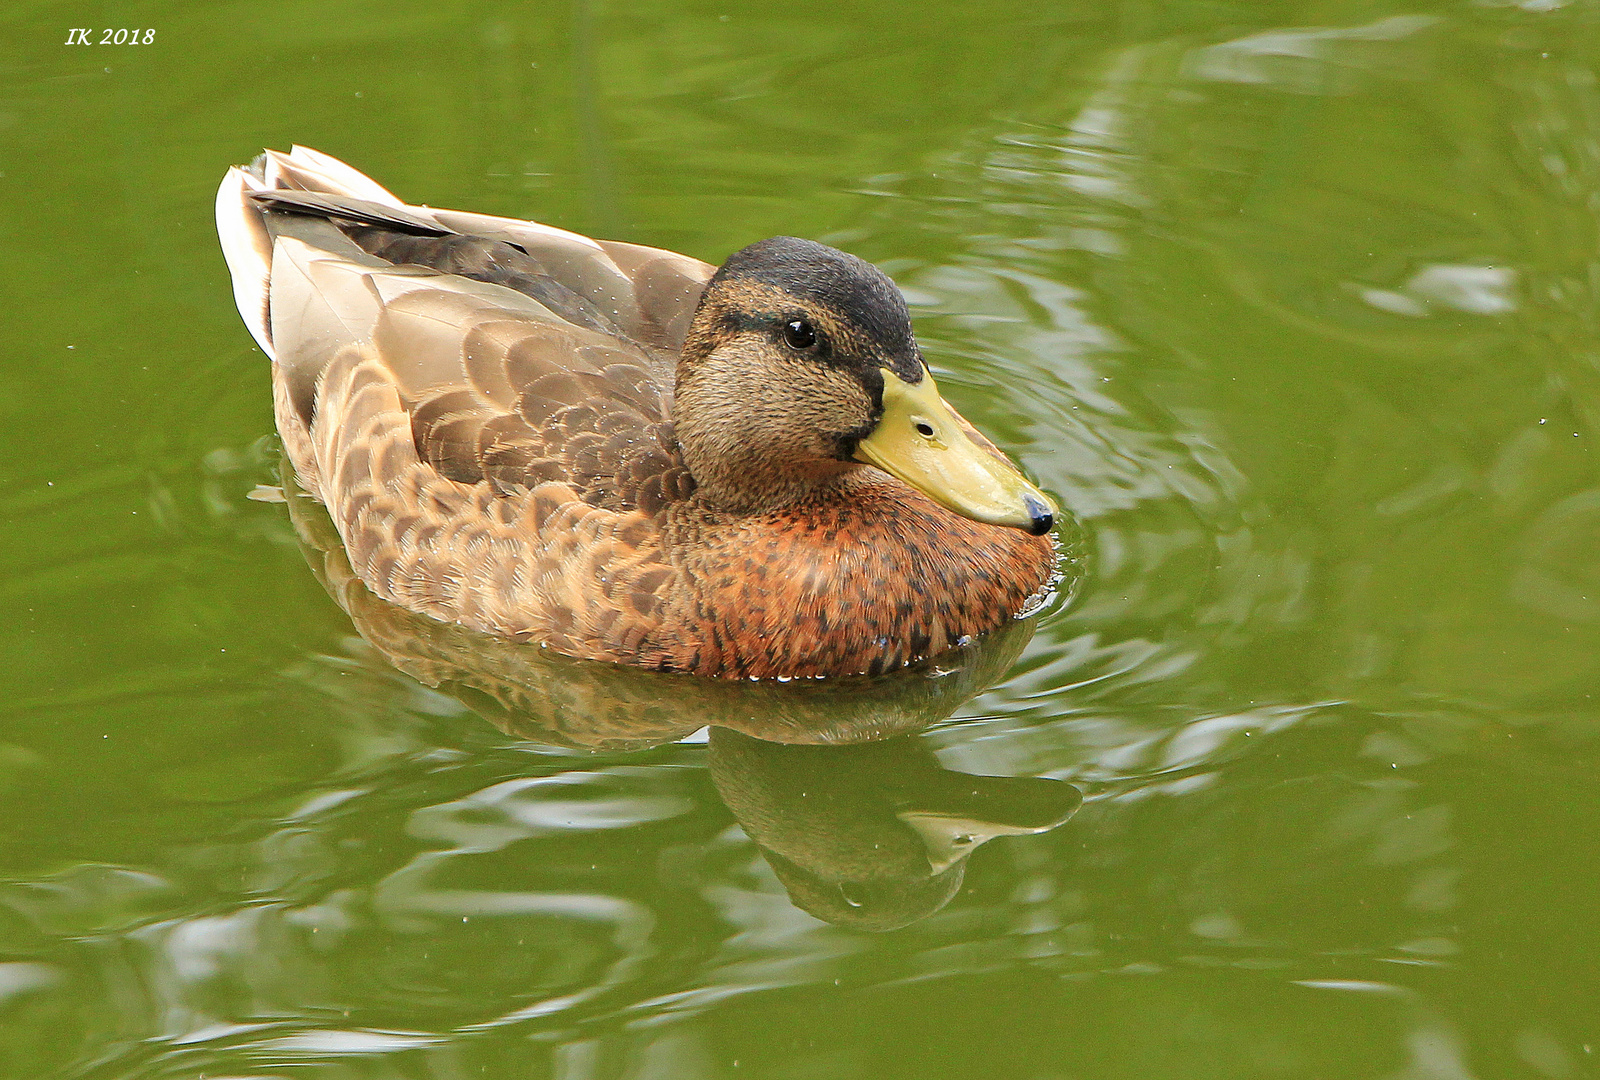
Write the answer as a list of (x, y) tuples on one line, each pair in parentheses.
[(1293, 304)]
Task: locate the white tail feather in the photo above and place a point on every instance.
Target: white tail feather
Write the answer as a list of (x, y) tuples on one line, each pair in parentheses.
[(339, 178), (248, 250)]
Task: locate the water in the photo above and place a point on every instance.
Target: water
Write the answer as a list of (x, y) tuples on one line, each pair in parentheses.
[(1292, 304)]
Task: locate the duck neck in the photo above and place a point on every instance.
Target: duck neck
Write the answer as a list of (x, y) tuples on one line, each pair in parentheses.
[(733, 472), (737, 428)]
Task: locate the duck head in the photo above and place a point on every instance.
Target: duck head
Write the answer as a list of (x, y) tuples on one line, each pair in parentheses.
[(800, 368)]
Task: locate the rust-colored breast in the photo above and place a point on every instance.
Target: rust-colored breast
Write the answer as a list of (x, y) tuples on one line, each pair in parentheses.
[(863, 583)]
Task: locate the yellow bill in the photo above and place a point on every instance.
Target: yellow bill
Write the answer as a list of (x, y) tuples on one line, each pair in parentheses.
[(920, 441)]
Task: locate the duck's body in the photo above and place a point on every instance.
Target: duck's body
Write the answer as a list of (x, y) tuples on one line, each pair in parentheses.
[(555, 439)]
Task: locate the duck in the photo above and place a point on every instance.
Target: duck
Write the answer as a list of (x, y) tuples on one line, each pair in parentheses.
[(618, 452)]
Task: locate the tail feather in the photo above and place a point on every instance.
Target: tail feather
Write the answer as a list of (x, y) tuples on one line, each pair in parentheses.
[(242, 227), (248, 249), (305, 169), (353, 210)]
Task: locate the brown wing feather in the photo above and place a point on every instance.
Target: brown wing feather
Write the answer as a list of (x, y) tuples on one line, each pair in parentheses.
[(495, 261), (539, 564), (666, 288), (518, 400), (574, 387)]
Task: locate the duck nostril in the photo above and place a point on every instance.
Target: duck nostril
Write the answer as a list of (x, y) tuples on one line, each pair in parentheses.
[(924, 429)]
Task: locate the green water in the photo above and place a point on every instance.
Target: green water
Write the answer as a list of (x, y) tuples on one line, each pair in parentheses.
[(1293, 304)]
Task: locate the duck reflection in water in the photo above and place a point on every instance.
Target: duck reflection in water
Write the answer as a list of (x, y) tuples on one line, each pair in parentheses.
[(877, 835), (851, 809)]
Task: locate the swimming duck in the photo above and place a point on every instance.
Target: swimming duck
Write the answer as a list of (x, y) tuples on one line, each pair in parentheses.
[(620, 452)]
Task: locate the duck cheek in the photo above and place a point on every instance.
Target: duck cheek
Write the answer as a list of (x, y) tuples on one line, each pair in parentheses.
[(839, 421)]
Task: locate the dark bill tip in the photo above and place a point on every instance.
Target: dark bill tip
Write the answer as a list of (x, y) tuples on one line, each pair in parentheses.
[(1040, 519)]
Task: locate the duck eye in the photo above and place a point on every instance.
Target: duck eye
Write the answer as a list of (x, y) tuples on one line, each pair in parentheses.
[(799, 334)]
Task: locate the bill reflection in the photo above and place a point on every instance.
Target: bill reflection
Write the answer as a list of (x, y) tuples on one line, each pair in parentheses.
[(874, 836)]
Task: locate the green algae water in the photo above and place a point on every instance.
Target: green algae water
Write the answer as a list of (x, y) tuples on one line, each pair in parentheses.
[(1293, 305)]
